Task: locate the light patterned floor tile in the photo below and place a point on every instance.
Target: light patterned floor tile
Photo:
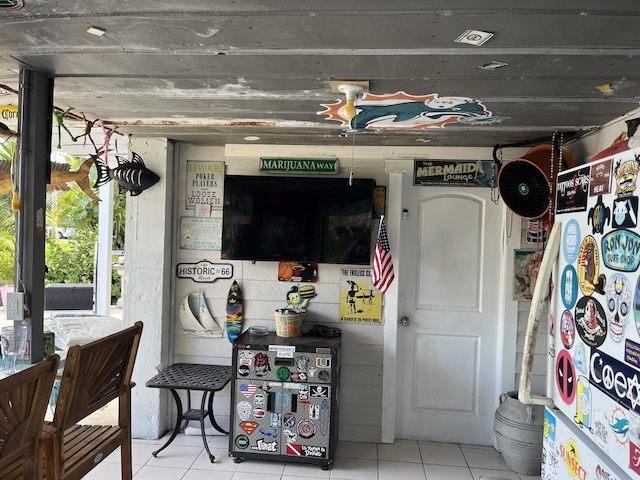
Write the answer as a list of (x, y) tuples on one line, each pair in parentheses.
[(400, 451), (159, 473), (487, 474), (445, 472), (301, 470), (483, 457), (176, 456), (388, 470), (442, 454), (354, 469), (357, 450)]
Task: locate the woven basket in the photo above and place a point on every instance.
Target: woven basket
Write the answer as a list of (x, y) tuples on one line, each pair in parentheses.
[(289, 322)]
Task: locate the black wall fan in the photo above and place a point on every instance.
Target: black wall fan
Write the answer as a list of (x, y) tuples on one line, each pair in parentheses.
[(525, 184), (524, 188)]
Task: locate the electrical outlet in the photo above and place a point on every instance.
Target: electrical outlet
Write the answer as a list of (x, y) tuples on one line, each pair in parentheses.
[(15, 306)]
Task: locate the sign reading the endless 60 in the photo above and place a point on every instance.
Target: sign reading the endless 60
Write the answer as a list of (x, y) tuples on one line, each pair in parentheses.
[(205, 184)]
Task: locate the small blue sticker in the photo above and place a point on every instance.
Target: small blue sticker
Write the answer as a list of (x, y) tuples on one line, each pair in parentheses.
[(569, 287), (571, 241)]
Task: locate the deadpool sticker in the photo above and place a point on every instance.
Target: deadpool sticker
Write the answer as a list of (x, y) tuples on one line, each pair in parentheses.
[(591, 321), (565, 377)]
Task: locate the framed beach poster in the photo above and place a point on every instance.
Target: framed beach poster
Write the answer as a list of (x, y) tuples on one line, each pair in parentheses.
[(521, 279)]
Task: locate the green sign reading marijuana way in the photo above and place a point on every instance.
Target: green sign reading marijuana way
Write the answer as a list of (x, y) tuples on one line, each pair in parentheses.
[(299, 165)]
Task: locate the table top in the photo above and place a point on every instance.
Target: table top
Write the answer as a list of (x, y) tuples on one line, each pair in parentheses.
[(192, 376)]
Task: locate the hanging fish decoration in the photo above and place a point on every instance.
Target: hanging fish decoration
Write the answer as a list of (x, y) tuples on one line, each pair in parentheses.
[(61, 176), (132, 176)]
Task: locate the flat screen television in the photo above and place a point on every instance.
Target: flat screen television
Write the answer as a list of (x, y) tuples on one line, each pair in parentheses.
[(306, 219)]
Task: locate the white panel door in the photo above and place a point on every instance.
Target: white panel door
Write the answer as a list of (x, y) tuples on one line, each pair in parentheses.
[(450, 262)]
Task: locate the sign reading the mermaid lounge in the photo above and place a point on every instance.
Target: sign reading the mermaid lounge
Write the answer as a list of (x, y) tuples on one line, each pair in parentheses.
[(299, 165), (468, 173)]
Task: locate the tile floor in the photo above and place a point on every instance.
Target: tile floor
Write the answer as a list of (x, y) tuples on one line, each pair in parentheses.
[(186, 459)]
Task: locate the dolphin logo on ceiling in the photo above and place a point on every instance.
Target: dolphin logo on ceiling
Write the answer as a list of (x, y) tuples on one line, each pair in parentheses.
[(401, 111)]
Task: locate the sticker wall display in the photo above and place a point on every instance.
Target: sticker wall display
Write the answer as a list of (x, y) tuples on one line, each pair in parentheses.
[(596, 307)]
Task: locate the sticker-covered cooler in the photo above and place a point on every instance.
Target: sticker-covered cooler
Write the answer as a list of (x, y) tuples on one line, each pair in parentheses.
[(594, 354), (285, 398)]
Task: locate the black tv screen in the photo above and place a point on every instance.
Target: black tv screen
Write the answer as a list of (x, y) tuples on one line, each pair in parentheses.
[(323, 220)]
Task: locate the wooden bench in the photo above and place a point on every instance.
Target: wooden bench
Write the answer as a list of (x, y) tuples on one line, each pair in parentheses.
[(23, 403), (94, 374)]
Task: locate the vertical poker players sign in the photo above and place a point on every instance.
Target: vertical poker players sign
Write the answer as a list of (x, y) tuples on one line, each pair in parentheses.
[(204, 184)]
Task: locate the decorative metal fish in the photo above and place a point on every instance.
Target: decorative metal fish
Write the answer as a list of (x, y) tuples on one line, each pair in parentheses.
[(131, 176), (61, 176)]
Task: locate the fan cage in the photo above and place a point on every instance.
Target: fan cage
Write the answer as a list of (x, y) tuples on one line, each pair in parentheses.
[(525, 188)]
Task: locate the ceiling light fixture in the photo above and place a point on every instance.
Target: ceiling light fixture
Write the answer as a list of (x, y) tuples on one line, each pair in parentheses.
[(352, 92), (474, 37), (252, 138), (605, 88)]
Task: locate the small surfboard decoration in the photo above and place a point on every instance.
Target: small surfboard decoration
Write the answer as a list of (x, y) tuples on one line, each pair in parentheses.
[(131, 176), (235, 316)]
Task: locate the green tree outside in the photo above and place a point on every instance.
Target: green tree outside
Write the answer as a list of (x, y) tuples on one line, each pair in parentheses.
[(70, 259)]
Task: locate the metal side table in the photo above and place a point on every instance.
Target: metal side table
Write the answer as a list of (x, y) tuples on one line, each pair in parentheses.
[(193, 376)]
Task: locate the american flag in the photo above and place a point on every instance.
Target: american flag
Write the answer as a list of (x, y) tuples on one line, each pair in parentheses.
[(382, 263)]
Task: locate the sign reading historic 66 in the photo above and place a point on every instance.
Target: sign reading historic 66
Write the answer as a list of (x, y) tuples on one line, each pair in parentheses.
[(204, 271)]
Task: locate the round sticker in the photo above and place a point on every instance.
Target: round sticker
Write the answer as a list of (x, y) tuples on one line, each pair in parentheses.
[(589, 279), (243, 370), (258, 412), (573, 458), (244, 410), (569, 286), (570, 241), (283, 373), (289, 420), (636, 305), (618, 305), (306, 429), (242, 442), (565, 377), (323, 375), (591, 321), (567, 329)]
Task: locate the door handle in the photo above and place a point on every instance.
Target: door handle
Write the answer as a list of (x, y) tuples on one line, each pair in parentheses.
[(404, 321)]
